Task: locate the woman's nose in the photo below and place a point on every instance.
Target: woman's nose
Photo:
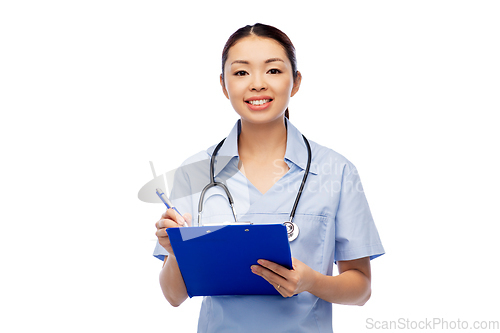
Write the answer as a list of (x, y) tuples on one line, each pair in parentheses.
[(258, 83)]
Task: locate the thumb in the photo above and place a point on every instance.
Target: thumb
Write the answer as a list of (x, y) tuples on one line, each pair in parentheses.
[(188, 218), (179, 219), (295, 263)]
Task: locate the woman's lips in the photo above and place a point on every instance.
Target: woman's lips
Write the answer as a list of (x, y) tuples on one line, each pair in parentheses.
[(258, 104)]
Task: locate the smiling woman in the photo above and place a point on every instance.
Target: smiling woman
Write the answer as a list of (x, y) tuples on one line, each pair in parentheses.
[(266, 157), (256, 65), (271, 34)]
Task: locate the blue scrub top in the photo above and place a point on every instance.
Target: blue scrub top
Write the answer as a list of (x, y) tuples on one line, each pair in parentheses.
[(333, 217)]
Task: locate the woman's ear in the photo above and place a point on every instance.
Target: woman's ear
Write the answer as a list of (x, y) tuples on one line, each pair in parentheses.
[(224, 90), (296, 84)]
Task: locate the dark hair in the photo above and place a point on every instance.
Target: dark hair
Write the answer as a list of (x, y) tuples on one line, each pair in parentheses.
[(262, 30)]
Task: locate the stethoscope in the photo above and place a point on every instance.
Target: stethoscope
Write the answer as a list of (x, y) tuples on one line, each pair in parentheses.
[(292, 228)]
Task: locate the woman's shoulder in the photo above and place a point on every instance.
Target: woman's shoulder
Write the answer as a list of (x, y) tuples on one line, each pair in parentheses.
[(202, 155), (326, 158)]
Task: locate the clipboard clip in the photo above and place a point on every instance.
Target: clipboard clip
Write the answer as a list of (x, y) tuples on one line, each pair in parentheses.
[(227, 223)]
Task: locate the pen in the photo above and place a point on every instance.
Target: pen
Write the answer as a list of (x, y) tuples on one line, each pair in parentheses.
[(167, 202)]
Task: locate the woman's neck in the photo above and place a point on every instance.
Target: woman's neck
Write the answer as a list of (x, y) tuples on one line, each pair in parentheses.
[(262, 141)]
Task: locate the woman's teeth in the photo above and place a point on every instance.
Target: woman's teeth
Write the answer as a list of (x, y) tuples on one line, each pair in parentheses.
[(259, 102)]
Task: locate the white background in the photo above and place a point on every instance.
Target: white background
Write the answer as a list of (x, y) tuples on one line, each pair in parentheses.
[(91, 91)]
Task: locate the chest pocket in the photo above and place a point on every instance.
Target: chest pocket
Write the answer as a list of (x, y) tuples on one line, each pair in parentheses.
[(309, 246)]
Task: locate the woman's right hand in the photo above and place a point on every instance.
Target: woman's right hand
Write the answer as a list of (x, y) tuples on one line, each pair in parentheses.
[(169, 219)]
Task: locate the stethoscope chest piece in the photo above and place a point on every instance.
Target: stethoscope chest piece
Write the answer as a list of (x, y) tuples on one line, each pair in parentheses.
[(292, 230)]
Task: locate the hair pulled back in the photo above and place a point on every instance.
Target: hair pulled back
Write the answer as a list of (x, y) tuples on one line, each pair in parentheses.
[(267, 31)]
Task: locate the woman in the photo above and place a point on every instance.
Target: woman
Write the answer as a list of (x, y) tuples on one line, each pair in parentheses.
[(265, 160)]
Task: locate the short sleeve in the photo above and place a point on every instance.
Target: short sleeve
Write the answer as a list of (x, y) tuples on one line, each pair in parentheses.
[(181, 199), (355, 233)]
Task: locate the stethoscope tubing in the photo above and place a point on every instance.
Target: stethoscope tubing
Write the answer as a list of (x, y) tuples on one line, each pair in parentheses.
[(290, 225), (213, 183), (308, 166)]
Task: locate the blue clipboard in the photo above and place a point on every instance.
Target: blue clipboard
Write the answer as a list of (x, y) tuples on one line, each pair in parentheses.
[(216, 260)]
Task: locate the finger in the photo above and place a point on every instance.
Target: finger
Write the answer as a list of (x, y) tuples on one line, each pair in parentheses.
[(286, 288), (166, 223), (282, 290), (188, 219), (296, 262), (270, 276), (161, 233), (178, 217), (171, 214), (274, 267)]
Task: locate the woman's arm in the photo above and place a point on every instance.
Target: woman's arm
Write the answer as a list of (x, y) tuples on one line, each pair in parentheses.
[(352, 286), (171, 282)]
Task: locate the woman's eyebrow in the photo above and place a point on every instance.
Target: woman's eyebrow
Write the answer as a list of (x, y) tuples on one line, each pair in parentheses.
[(240, 62), (273, 60), (266, 62)]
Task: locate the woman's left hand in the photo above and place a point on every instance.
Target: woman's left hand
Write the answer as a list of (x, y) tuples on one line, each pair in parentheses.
[(287, 282)]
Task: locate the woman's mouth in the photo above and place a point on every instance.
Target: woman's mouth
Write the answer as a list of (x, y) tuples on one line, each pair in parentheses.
[(258, 104)]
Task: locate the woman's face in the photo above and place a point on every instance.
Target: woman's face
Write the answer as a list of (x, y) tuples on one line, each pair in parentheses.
[(258, 79)]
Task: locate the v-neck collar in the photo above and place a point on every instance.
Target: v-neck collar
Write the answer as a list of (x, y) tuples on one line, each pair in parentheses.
[(296, 150)]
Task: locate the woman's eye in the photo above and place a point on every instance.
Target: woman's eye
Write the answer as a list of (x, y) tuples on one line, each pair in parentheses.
[(240, 73), (274, 71)]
